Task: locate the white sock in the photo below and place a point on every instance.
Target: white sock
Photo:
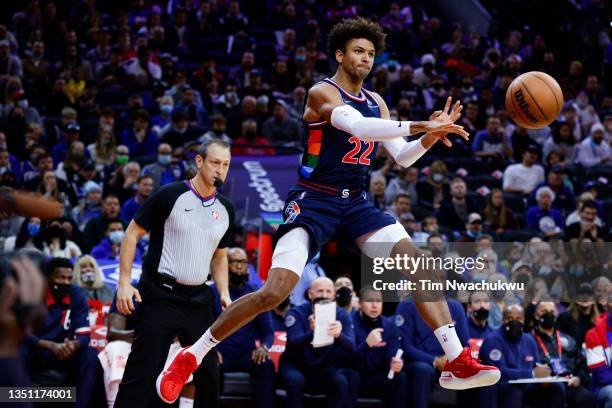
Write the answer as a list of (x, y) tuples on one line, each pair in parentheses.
[(447, 336), (185, 402), (201, 347)]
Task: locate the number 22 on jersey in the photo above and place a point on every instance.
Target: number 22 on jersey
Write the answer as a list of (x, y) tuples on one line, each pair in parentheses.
[(350, 156)]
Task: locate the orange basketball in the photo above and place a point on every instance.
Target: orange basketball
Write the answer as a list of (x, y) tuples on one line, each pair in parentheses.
[(534, 99)]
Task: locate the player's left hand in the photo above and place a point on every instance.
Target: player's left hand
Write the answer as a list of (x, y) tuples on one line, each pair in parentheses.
[(334, 329), (448, 115), (225, 301), (259, 355)]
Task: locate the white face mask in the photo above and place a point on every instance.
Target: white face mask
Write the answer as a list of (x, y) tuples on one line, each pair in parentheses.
[(88, 277), (116, 237)]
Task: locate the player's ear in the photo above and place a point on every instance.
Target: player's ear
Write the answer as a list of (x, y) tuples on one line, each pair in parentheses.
[(339, 56)]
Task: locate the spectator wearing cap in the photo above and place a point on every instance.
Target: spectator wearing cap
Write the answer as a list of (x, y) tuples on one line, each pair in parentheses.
[(71, 134), (564, 198), (163, 171), (453, 213), (143, 191), (62, 341), (543, 217), (90, 206), (425, 72), (280, 128), (473, 228), (139, 138), (594, 150), (217, 130), (525, 176), (586, 227), (489, 144), (581, 314), (561, 142)]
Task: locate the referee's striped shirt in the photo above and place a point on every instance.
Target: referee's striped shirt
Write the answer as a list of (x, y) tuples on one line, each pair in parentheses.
[(185, 230)]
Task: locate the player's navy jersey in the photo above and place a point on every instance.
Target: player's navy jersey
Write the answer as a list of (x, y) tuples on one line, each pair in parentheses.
[(334, 159)]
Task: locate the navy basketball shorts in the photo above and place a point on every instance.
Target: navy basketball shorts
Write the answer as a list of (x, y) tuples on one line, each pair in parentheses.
[(323, 215)]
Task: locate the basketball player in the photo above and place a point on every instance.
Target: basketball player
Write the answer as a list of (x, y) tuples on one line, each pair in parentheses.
[(345, 122)]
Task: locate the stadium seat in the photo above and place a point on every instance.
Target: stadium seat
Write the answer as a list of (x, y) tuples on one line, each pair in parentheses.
[(476, 181), (516, 202)]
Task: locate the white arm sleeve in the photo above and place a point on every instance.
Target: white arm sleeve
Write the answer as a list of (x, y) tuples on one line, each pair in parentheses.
[(405, 153), (350, 120)]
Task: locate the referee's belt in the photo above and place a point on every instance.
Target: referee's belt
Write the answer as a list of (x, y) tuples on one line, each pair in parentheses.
[(169, 283)]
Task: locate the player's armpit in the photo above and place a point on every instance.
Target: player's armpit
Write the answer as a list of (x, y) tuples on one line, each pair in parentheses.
[(322, 99)]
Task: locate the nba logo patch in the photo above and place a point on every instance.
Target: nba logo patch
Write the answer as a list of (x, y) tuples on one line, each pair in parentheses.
[(215, 214), (291, 212)]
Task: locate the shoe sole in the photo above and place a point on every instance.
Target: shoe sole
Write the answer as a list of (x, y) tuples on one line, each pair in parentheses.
[(482, 379), (158, 387)]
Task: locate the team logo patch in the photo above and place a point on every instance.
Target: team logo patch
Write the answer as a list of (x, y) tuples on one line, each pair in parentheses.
[(399, 320), (528, 358), (302, 195), (564, 342), (215, 214), (291, 212), (495, 355), (289, 321)]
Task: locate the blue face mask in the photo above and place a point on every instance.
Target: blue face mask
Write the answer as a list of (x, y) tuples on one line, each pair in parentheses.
[(167, 109), (33, 229), (164, 159), (116, 236)]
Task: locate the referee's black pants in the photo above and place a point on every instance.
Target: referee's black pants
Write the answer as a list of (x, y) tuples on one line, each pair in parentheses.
[(163, 315)]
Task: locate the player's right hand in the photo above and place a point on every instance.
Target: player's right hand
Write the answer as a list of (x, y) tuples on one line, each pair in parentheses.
[(125, 293)]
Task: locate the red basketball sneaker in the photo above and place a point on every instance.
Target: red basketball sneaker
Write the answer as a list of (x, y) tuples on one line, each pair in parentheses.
[(170, 382), (466, 372)]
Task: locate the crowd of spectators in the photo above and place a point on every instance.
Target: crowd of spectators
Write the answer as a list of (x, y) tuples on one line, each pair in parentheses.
[(103, 102)]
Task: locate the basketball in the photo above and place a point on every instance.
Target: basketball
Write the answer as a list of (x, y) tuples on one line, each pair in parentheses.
[(534, 99)]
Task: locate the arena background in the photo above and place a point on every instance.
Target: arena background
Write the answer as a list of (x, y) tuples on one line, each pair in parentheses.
[(74, 100)]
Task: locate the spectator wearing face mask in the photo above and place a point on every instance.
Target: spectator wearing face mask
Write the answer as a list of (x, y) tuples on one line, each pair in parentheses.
[(478, 314), (217, 130), (91, 205), (178, 132), (516, 354), (57, 244), (376, 343), (163, 119), (110, 245), (29, 236), (594, 150), (87, 275), (562, 354), (164, 171), (253, 140), (345, 294)]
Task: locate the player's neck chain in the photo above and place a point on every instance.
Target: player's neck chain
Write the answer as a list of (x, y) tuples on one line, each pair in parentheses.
[(200, 195)]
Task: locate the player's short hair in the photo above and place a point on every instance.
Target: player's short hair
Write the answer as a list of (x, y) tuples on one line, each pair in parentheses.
[(55, 263), (203, 149), (367, 290), (354, 28)]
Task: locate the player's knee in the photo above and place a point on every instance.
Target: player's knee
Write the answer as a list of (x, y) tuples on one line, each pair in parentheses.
[(270, 297)]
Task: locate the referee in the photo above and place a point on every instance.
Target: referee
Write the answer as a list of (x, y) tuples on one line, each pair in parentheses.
[(190, 229)]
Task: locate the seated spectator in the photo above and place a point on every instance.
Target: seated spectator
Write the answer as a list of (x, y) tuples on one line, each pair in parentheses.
[(580, 315), (478, 314), (56, 243), (473, 228), (400, 209), (432, 191), (498, 217), (164, 171), (95, 229), (376, 344), (62, 342), (280, 129), (535, 291), (217, 130), (320, 370), (139, 139), (600, 287), (91, 204), (377, 191), (142, 71), (166, 107), (87, 275), (594, 150), (102, 151), (29, 236), (562, 142), (597, 348), (123, 183), (143, 191), (252, 140), (238, 352), (525, 176), (179, 131), (345, 294), (562, 354), (453, 213), (575, 215), (71, 135), (405, 182), (192, 108), (586, 227), (542, 217), (424, 357), (489, 144), (516, 353), (109, 247), (564, 198)]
